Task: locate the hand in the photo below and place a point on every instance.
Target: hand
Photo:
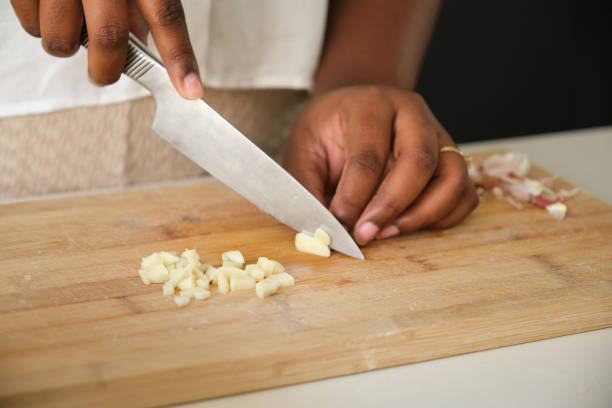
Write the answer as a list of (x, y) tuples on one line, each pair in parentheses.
[(375, 151), (59, 23)]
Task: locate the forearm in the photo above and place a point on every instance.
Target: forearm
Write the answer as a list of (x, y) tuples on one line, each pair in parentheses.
[(375, 42)]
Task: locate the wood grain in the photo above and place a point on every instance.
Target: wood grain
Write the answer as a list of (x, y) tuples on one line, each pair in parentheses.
[(78, 327)]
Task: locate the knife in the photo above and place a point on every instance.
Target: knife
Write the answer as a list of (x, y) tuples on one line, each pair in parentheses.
[(200, 133)]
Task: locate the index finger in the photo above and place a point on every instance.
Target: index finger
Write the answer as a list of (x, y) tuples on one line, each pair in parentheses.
[(166, 20), (416, 151), (368, 140)]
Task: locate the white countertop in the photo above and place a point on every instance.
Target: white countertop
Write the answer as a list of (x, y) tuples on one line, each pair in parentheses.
[(568, 371)]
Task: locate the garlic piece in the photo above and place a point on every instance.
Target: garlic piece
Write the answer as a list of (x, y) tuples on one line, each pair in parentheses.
[(269, 266), (241, 283), (187, 283), (255, 272), (203, 283), (211, 274), (323, 236), (192, 256), (168, 258), (198, 293), (201, 294), (233, 258), (144, 277), (284, 279), (266, 287), (153, 259), (177, 274), (181, 301), (230, 271), (168, 288), (222, 283), (157, 273), (557, 210), (311, 245)]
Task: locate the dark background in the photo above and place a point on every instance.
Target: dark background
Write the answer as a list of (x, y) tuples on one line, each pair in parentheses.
[(508, 68)]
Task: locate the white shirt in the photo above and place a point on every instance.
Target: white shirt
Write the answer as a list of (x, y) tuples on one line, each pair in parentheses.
[(238, 43)]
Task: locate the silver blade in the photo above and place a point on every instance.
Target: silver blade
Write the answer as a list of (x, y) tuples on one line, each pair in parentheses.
[(200, 133)]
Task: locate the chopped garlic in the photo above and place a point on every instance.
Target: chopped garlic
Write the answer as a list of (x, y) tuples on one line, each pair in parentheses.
[(168, 288), (181, 301), (198, 293), (284, 279), (241, 282), (154, 259), (269, 266), (222, 283), (144, 277), (266, 287), (192, 279), (311, 245), (168, 258), (157, 273), (211, 274), (201, 294), (230, 271), (191, 255), (557, 210), (199, 272), (186, 283), (233, 258), (255, 272), (177, 275), (323, 236)]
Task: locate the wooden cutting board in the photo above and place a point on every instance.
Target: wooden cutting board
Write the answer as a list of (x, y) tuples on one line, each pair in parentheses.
[(78, 327)]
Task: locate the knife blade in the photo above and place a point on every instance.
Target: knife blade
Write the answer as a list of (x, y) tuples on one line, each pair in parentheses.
[(204, 136)]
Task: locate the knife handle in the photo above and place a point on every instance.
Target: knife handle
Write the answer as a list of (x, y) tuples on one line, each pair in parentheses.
[(139, 61)]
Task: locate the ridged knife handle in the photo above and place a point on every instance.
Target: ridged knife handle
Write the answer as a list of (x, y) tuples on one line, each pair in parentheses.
[(139, 62)]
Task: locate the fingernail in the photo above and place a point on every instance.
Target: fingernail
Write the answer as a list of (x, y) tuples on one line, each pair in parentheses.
[(388, 232), (366, 232), (192, 86)]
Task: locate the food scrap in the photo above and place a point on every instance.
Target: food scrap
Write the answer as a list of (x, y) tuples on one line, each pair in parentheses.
[(505, 176), (192, 279), (316, 244)]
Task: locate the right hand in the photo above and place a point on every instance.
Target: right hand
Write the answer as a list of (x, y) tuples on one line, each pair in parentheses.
[(109, 22)]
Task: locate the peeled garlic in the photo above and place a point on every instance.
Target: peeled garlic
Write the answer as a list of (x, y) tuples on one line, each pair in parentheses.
[(311, 245), (233, 258), (322, 236), (269, 266), (168, 258), (241, 282), (230, 271), (255, 272), (557, 210), (192, 279), (203, 283), (157, 273), (181, 301), (197, 293), (222, 283), (211, 274), (284, 279), (168, 288), (144, 277), (266, 287)]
